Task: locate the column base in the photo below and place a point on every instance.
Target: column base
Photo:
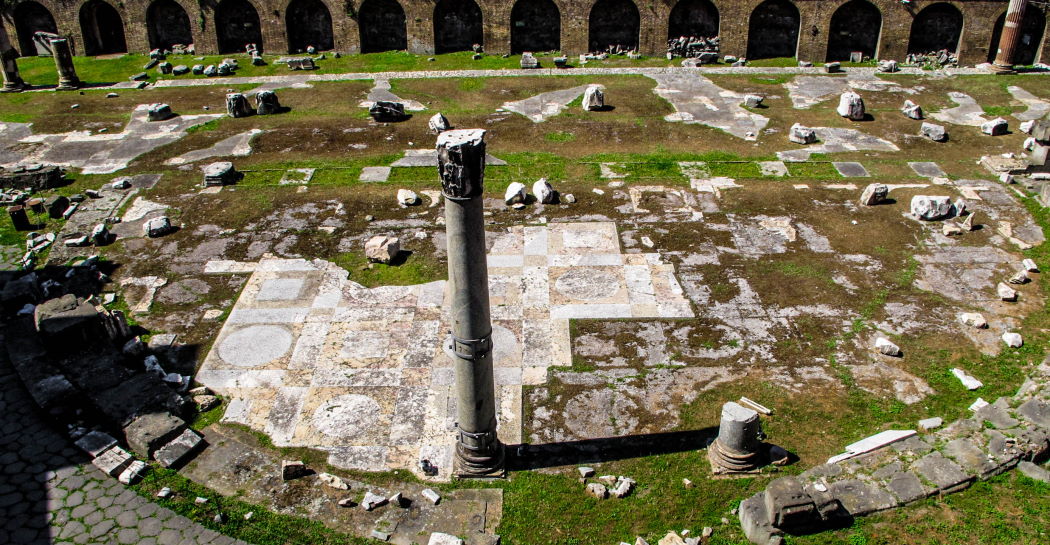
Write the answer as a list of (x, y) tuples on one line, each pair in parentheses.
[(68, 85), (470, 465), (13, 87), (724, 461), (1002, 70)]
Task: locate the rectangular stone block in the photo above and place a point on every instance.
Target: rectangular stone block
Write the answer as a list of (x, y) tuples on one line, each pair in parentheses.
[(859, 498), (149, 432), (95, 442), (179, 449), (113, 461), (971, 458), (907, 487), (945, 474)]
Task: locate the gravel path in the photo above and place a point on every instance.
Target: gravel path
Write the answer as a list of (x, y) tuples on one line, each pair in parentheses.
[(50, 492)]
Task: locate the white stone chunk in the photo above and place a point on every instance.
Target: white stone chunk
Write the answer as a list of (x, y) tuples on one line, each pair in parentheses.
[(407, 197), (597, 490), (930, 208), (874, 194), (432, 496), (978, 405), (1005, 292), (851, 106), (967, 379), (973, 319), (333, 481), (382, 248), (887, 347), (593, 98), (438, 538), (515, 193), (1030, 266), (1013, 340), (543, 191), (928, 424)]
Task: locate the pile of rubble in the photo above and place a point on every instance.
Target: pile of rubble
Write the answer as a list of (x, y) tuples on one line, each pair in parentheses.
[(85, 367), (940, 58), (692, 46), (607, 485)]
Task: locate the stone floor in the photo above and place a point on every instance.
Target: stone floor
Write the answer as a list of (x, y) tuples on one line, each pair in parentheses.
[(50, 493), (315, 360)]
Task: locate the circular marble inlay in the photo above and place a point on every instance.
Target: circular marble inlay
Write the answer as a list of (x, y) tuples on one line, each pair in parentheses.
[(347, 416), (255, 345), (587, 283)]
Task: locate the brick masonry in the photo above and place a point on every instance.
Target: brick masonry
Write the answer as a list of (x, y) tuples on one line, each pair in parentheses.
[(814, 27)]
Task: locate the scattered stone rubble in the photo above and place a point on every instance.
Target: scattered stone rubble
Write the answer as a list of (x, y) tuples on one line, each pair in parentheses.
[(907, 467), (693, 47)]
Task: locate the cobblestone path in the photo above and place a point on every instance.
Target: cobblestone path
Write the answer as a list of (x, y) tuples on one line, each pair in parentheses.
[(50, 492)]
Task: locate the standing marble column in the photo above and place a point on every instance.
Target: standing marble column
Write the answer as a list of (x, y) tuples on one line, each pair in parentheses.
[(461, 164), (1004, 57), (12, 80), (67, 73)]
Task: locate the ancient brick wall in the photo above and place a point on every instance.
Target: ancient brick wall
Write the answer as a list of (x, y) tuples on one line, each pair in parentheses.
[(282, 29)]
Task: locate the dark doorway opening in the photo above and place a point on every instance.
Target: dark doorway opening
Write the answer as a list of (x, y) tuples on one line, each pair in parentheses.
[(693, 18), (612, 24), (1031, 38), (855, 26), (457, 25), (773, 30), (168, 25), (30, 18), (382, 25), (309, 24), (237, 23), (103, 29), (535, 25), (937, 27)]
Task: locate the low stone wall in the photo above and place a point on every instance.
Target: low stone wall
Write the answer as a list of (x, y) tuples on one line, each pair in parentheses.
[(995, 439)]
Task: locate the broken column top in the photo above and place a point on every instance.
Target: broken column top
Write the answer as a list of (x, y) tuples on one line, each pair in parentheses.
[(735, 412), (461, 163)]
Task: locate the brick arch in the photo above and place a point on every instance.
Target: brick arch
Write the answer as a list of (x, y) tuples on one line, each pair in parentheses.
[(102, 37), (937, 26), (618, 23), (774, 27), (855, 25), (29, 17), (230, 41), (162, 34), (535, 25), (309, 23)]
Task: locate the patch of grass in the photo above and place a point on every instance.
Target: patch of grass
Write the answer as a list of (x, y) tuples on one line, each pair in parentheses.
[(998, 111), (812, 169), (417, 268), (263, 528), (204, 127), (559, 136), (205, 419)]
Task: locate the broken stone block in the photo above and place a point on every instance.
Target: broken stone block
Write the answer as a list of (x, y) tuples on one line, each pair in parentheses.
[(165, 68), (968, 381), (382, 248), (788, 506), (1026, 126), (141, 76), (66, 318), (951, 230), (431, 496), (95, 442), (516, 193), (407, 197), (164, 493), (671, 539), (157, 227), (100, 235), (220, 173), (438, 538), (56, 206), (1032, 471), (134, 473), (1029, 265), (874, 194), (928, 424), (943, 473), (293, 469), (832, 67), (1006, 293), (237, 105), (158, 111), (967, 224), (438, 124), (973, 319), (911, 110), (623, 487), (150, 431), (593, 98), (543, 191), (333, 481), (753, 101), (851, 106), (933, 132), (930, 208), (210, 71), (180, 449), (887, 347), (888, 66), (1013, 340), (205, 403), (385, 111), (528, 61), (1020, 277), (113, 461), (995, 127), (224, 69), (197, 69), (802, 135), (585, 472), (266, 103), (597, 490), (372, 501), (180, 70)]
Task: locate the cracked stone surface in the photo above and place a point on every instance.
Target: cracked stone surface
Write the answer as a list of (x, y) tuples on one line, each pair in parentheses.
[(238, 145), (968, 111), (1037, 107), (102, 153), (808, 91), (52, 494), (381, 92), (545, 105), (697, 99), (313, 359), (837, 140)]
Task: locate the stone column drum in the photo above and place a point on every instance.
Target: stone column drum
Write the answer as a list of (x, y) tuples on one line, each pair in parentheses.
[(737, 448), (67, 73), (1004, 57), (461, 165), (12, 80)]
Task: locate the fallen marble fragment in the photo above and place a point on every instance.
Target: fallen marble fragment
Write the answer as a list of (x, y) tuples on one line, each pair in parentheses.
[(967, 379)]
